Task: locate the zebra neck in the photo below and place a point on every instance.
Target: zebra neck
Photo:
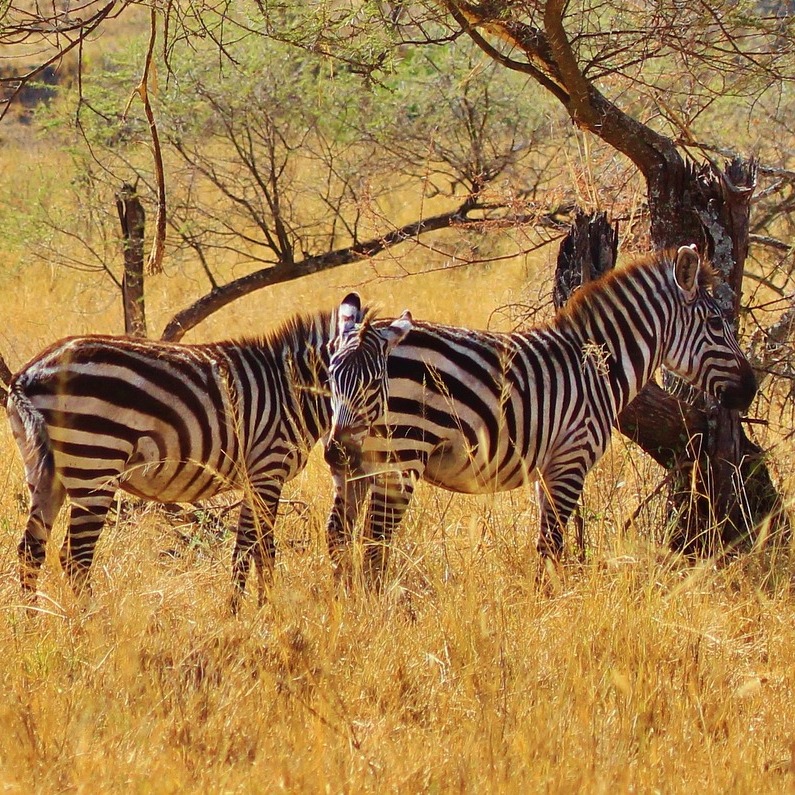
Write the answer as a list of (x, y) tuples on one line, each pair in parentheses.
[(306, 369), (294, 364), (618, 355)]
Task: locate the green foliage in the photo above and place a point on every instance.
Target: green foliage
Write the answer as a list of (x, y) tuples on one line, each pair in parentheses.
[(451, 100), (452, 105), (357, 35), (104, 114), (278, 150)]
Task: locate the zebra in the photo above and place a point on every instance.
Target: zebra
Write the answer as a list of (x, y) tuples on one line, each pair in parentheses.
[(481, 411), (171, 423)]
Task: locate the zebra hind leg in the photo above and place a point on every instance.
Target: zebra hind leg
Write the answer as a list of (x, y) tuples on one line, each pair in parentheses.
[(46, 490), (46, 498), (254, 540), (86, 520)]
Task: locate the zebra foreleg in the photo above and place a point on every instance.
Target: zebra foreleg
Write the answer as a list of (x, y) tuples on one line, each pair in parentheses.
[(350, 493), (86, 520), (254, 539), (391, 495)]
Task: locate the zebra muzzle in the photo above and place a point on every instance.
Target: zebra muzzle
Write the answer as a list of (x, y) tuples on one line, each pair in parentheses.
[(739, 396), (343, 456)]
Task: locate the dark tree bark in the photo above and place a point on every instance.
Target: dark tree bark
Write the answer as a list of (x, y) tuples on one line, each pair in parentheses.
[(587, 252), (723, 491), (5, 380), (132, 220)]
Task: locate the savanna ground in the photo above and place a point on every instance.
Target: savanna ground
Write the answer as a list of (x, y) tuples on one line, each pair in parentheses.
[(637, 671)]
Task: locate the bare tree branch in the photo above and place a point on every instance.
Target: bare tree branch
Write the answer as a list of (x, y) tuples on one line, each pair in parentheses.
[(155, 262), (191, 316)]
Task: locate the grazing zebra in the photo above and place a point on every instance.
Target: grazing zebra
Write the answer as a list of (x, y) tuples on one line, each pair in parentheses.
[(166, 422), (479, 411)]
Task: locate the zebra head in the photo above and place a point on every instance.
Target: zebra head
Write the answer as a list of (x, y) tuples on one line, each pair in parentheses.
[(358, 378), (703, 348)]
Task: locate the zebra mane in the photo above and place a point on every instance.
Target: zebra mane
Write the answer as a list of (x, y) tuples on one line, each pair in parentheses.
[(295, 332), (582, 299), (369, 315), (708, 275)]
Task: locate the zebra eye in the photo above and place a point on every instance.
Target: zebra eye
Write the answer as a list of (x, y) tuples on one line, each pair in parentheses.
[(715, 323)]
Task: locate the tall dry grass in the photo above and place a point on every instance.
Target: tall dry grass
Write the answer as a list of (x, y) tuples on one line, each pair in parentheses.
[(637, 672)]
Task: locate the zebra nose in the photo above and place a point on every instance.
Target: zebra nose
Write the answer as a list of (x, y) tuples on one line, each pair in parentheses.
[(739, 396), (342, 456)]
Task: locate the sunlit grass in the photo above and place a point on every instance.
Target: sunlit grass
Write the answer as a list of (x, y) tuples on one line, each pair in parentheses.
[(639, 672)]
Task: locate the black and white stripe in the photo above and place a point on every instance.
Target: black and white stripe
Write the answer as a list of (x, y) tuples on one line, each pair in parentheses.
[(478, 411), (362, 383), (169, 423)]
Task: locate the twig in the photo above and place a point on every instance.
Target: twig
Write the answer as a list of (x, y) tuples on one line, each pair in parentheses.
[(155, 262)]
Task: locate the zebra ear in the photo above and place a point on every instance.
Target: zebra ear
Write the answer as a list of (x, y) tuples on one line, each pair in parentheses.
[(686, 270), (349, 313), (397, 330)]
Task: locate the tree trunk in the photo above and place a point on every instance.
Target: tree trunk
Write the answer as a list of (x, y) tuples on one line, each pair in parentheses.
[(724, 492), (721, 492), (132, 219)]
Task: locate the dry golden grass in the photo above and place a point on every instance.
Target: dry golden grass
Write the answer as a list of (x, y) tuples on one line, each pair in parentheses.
[(637, 672)]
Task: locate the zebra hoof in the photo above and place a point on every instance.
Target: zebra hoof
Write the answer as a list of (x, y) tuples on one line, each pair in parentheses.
[(549, 576)]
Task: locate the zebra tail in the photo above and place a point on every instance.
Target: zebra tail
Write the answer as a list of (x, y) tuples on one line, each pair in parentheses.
[(38, 454), (6, 376)]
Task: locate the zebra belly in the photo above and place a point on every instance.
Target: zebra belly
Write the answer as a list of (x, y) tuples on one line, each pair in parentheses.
[(147, 466), (152, 475), (166, 486), (448, 462), (458, 470), (463, 441)]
